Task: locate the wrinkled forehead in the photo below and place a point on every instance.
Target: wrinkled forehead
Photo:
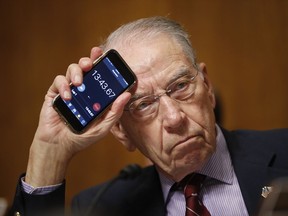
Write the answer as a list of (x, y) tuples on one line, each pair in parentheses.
[(154, 61), (147, 56)]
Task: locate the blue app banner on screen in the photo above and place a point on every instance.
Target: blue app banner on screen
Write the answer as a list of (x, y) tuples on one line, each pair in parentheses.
[(99, 88)]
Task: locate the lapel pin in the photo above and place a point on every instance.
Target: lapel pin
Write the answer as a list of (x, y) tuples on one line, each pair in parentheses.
[(266, 190)]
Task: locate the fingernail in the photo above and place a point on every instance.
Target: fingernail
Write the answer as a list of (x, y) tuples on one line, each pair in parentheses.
[(67, 95), (77, 79)]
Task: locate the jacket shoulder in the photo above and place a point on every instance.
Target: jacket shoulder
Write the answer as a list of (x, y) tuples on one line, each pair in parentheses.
[(259, 145), (123, 196)]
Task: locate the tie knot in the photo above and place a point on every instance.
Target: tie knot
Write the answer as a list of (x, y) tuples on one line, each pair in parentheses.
[(191, 184)]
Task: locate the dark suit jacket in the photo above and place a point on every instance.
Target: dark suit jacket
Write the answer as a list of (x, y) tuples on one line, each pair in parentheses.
[(258, 158)]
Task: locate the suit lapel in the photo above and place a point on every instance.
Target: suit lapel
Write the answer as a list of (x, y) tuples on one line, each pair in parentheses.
[(251, 170), (252, 178)]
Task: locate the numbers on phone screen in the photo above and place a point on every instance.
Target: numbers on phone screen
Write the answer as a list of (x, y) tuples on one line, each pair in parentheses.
[(103, 84)]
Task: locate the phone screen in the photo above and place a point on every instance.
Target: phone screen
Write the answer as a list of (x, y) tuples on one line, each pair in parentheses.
[(109, 77)]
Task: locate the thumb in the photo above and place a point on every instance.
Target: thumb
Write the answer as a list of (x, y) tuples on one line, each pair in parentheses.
[(119, 104), (105, 123)]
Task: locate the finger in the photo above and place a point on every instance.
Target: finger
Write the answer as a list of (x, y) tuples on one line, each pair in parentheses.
[(61, 86), (74, 74), (85, 64), (95, 53)]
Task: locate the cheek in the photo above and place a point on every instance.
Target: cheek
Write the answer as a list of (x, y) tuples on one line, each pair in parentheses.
[(201, 117), (201, 110), (145, 137)]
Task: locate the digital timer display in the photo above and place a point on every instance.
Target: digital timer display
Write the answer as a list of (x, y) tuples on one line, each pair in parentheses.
[(99, 88)]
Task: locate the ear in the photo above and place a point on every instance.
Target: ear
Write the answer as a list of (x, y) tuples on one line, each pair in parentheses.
[(202, 67), (120, 134)]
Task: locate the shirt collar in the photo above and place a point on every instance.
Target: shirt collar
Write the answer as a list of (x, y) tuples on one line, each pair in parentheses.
[(219, 166)]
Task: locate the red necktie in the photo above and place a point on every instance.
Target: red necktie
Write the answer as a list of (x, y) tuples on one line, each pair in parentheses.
[(191, 185)]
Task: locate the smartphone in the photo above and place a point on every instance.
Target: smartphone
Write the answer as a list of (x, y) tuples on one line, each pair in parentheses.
[(109, 77)]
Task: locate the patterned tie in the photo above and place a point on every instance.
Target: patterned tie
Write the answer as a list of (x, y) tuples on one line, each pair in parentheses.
[(191, 185)]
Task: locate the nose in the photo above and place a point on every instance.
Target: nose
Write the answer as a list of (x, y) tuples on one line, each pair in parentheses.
[(171, 114)]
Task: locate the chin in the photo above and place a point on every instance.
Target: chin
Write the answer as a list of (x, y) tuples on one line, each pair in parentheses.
[(181, 170), (190, 164)]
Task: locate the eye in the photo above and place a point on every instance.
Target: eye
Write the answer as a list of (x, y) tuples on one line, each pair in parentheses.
[(181, 85), (143, 105)]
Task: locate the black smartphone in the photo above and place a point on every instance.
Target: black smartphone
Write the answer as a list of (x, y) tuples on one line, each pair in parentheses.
[(109, 77)]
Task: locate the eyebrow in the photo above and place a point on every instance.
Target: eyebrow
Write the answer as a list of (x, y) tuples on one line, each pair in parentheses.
[(182, 71)]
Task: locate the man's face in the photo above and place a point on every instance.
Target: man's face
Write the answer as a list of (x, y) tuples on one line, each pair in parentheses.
[(180, 138)]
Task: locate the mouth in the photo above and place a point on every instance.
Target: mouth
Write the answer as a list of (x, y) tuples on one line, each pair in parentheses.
[(187, 141)]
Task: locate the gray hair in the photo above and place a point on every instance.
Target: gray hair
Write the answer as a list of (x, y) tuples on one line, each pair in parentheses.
[(147, 28)]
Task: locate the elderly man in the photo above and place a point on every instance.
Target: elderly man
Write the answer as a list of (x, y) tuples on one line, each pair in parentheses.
[(170, 119)]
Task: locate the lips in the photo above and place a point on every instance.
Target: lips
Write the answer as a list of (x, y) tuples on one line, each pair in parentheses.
[(188, 140), (185, 140)]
